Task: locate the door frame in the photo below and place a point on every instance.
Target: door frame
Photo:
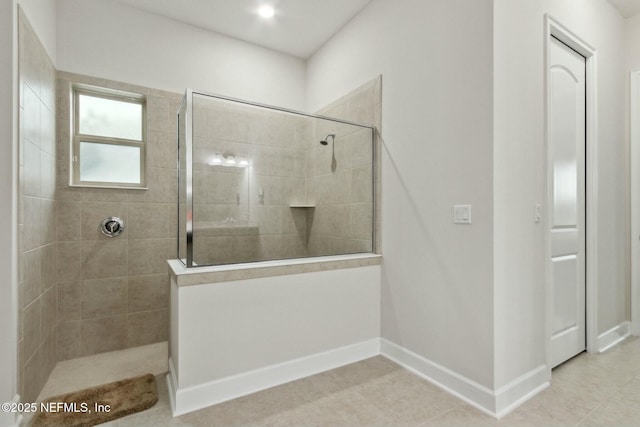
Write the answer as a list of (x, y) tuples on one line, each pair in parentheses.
[(635, 200), (553, 28)]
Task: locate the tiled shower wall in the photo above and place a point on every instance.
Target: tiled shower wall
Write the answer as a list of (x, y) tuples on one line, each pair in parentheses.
[(244, 214), (340, 185), (113, 292), (37, 282)]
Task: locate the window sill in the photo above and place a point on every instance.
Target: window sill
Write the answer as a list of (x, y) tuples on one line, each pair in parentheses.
[(111, 187)]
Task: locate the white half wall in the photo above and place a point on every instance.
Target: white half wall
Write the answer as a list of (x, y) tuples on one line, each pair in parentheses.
[(113, 41), (435, 58), (234, 338), (8, 206)]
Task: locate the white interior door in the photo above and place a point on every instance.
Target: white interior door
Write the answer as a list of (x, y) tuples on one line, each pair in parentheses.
[(567, 120)]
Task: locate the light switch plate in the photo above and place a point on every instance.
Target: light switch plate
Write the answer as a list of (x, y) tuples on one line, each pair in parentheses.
[(462, 214)]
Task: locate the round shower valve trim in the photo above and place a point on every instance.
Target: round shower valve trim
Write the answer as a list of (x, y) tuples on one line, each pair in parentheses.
[(112, 226)]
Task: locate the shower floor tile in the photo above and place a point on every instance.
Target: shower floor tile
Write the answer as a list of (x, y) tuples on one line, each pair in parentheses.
[(77, 374)]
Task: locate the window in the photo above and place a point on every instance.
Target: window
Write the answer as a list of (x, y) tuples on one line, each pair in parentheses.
[(108, 147)]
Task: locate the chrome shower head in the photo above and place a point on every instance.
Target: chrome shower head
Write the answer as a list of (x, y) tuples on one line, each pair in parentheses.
[(325, 141)]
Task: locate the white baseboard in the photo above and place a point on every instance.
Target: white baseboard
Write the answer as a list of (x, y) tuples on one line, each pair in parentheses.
[(494, 403), (471, 392), (613, 336), (518, 391), (172, 386), (189, 399)]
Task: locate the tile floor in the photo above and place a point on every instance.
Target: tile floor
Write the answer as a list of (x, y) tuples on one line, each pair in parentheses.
[(589, 391)]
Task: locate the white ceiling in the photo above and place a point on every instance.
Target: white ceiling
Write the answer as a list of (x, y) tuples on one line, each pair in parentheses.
[(299, 27), (627, 7)]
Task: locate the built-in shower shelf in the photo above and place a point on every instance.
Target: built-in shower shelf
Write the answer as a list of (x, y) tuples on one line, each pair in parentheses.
[(300, 206)]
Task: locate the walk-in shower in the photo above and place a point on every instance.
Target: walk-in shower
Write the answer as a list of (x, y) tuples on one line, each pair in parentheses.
[(255, 185)]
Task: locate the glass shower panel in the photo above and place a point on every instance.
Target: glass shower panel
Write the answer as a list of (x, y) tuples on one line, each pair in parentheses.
[(222, 230), (182, 182), (269, 183)]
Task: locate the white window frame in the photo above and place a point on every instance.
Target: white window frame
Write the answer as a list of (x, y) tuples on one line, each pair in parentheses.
[(77, 137)]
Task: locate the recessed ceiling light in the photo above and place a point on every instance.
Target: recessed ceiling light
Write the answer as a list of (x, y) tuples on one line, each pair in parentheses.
[(266, 11)]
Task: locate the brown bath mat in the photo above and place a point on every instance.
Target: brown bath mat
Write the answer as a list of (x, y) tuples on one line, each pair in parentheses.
[(100, 404)]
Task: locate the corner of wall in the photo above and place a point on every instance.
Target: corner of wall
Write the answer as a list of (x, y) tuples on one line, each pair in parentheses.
[(8, 207)]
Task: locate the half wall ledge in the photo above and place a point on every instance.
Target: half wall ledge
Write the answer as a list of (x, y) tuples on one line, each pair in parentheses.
[(183, 276)]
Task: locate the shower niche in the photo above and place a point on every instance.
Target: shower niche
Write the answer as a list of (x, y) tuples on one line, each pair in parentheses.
[(259, 183)]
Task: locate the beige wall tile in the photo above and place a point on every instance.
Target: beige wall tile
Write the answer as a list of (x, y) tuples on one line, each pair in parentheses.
[(32, 378), (31, 328), (271, 247), (93, 213), (37, 207), (127, 87), (68, 340), (31, 122), (162, 187), (360, 148), (48, 89), (148, 292), (149, 256), (69, 301), (47, 176), (48, 312), (361, 107), (32, 285), (361, 221), (227, 187), (104, 258), (147, 327), (69, 261), (245, 249), (268, 218), (151, 220), (293, 246), (219, 250), (162, 150), (294, 221), (69, 220), (103, 334), (49, 266), (64, 192), (30, 49), (49, 356), (361, 184), (110, 195), (32, 170), (103, 297), (159, 118), (48, 221)]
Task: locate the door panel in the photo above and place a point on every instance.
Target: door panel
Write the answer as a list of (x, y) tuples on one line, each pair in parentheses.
[(567, 223)]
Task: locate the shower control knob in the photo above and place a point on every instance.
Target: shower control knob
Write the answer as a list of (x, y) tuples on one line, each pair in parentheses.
[(112, 226)]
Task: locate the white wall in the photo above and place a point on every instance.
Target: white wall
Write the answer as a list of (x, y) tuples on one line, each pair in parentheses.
[(42, 16), (519, 172), (632, 42), (8, 205), (117, 42), (632, 55), (448, 288), (436, 61)]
